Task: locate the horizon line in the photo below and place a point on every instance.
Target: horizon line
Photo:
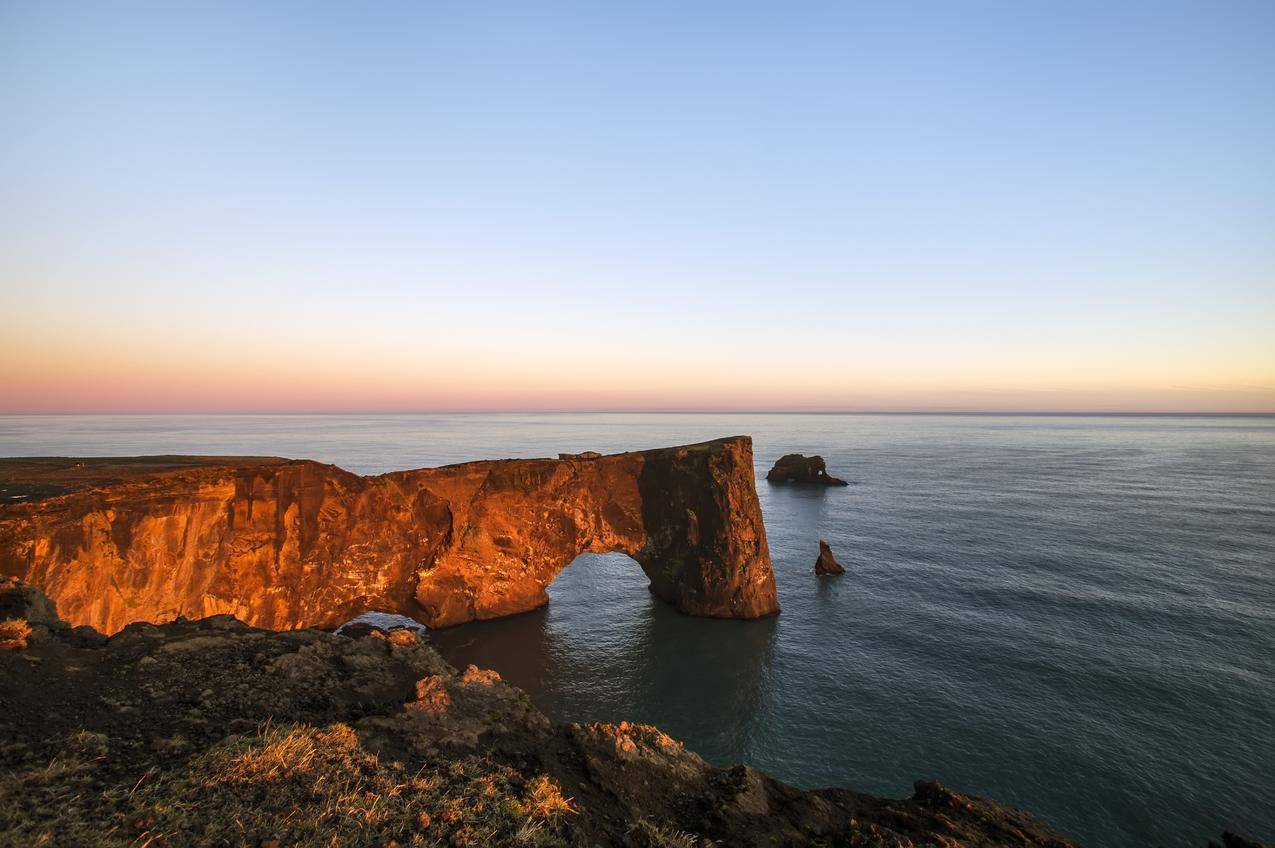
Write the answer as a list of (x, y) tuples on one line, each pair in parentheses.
[(670, 411)]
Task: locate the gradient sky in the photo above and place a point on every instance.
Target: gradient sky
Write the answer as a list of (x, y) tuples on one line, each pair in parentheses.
[(345, 206)]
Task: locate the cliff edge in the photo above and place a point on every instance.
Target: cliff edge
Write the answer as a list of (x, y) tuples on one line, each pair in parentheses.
[(216, 733)]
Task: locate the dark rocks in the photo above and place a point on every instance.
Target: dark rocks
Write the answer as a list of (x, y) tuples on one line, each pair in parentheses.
[(21, 601), (27, 616), (802, 470), (359, 629), (1234, 840), (826, 563)]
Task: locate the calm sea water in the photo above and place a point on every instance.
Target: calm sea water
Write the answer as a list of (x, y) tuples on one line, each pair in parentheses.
[(1073, 615)]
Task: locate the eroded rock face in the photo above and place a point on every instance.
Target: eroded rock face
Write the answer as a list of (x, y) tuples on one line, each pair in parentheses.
[(295, 543), (803, 470)]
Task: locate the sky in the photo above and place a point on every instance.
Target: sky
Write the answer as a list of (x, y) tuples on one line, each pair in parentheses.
[(329, 207)]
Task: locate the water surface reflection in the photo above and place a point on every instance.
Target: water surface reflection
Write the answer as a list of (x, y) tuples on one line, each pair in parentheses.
[(605, 649)]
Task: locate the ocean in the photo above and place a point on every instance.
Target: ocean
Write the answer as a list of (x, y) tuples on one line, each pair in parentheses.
[(1074, 615)]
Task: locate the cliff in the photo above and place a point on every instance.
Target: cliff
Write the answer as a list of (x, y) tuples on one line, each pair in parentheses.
[(292, 543), (215, 733)]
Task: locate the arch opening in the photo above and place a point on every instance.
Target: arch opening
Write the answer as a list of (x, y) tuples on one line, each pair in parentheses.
[(600, 583), (380, 620)]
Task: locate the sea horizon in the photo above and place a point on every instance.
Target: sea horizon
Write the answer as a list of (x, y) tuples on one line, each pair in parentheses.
[(939, 412)]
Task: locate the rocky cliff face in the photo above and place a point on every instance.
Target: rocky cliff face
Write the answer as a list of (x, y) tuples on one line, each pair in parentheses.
[(285, 544)]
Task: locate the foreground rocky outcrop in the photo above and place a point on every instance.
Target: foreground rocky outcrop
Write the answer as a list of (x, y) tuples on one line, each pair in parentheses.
[(215, 733), (826, 563), (802, 470), (293, 543)]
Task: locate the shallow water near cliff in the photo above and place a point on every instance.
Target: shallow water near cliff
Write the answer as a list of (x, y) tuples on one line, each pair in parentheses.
[(1075, 615)]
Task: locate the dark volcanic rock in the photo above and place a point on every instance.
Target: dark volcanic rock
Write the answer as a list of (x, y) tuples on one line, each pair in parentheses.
[(359, 629), (215, 733), (1234, 840), (293, 543), (21, 600), (827, 563), (805, 470)]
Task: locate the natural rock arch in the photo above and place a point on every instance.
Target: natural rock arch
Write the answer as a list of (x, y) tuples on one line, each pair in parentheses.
[(285, 544)]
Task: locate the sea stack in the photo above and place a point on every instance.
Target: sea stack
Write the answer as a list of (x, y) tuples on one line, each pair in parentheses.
[(803, 470), (827, 563)]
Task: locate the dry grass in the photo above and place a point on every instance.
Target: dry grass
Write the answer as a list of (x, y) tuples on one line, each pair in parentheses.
[(13, 634), (307, 787), (276, 755), (50, 802), (544, 800), (644, 833), (321, 787)]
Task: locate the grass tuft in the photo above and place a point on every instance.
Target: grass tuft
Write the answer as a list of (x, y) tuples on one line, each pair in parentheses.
[(644, 833), (544, 799)]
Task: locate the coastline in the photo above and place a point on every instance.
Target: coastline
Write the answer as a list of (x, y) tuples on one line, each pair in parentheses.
[(1151, 487), (213, 732)]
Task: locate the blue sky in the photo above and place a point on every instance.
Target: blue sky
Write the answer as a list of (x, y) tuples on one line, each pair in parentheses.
[(1019, 205)]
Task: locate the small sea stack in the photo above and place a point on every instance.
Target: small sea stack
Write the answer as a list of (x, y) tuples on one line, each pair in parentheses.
[(827, 563), (803, 470)]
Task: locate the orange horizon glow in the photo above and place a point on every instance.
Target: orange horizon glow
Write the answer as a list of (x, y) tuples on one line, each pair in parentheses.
[(52, 377)]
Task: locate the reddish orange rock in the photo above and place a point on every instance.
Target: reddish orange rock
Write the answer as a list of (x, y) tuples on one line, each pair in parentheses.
[(294, 543), (826, 563), (476, 676), (431, 696)]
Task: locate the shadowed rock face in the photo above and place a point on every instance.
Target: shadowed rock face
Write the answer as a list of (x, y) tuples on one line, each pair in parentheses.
[(294, 543)]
